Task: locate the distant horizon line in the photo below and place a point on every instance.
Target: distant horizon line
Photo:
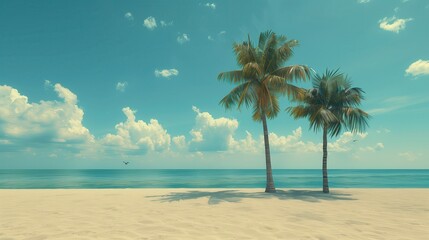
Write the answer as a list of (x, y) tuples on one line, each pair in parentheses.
[(210, 169)]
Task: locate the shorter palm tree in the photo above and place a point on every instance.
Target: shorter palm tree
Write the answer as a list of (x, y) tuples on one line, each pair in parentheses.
[(330, 106)]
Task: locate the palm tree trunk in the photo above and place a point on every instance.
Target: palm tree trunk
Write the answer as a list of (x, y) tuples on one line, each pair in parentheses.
[(325, 161), (270, 181)]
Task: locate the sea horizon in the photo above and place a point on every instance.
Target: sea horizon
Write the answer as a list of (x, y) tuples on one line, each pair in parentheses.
[(209, 178)]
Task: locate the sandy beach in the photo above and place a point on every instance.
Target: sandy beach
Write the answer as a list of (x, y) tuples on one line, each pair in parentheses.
[(214, 214)]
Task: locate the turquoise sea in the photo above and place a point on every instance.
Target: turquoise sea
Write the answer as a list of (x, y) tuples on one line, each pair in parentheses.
[(218, 178)]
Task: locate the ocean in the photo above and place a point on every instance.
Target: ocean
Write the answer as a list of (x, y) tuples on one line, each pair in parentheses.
[(208, 178)]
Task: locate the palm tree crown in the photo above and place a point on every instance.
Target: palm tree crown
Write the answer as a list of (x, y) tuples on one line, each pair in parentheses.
[(332, 103), (262, 77)]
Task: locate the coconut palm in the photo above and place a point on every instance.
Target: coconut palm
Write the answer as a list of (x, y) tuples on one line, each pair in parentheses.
[(330, 106), (261, 80)]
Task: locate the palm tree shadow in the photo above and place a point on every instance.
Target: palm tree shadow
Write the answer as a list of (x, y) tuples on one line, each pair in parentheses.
[(235, 196)]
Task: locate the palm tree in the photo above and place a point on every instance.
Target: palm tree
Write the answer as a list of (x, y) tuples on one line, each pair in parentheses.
[(331, 105), (261, 80)]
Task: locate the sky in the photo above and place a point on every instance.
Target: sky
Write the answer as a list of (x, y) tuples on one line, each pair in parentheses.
[(90, 84)]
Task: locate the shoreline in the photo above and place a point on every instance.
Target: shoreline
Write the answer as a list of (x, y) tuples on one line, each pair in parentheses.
[(214, 213)]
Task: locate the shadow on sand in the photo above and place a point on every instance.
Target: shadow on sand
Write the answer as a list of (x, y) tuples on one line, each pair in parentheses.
[(216, 197)]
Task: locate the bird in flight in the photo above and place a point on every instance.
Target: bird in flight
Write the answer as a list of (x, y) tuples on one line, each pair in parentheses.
[(355, 140), (126, 163)]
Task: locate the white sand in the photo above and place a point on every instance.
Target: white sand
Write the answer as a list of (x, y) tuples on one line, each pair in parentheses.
[(214, 214)]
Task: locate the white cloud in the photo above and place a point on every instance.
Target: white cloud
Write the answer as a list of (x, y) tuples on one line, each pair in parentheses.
[(363, 1), (377, 147), (247, 145), (211, 5), (222, 33), (166, 73), (129, 16), (47, 121), (212, 134), (138, 136), (291, 142), (183, 38), (294, 143), (393, 24), (65, 94), (150, 23), (419, 67), (180, 142), (210, 38), (166, 24), (120, 86), (396, 9)]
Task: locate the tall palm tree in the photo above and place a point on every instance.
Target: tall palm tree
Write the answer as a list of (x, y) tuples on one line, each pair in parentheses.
[(261, 80), (330, 106)]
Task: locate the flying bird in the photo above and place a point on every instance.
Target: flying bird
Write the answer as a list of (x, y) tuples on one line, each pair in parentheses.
[(126, 163), (355, 140)]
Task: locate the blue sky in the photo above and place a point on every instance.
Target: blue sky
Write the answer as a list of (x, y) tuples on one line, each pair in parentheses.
[(89, 84)]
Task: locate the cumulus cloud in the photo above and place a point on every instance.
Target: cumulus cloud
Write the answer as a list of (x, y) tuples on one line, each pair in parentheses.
[(46, 121), (363, 1), (419, 67), (219, 134), (166, 73), (291, 142), (137, 136), (150, 23), (294, 142), (393, 24), (183, 38), (247, 145), (210, 38), (120, 86), (210, 5), (129, 16), (211, 134), (180, 142)]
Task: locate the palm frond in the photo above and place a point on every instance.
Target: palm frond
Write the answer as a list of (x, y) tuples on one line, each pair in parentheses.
[(243, 93), (245, 53), (269, 58), (295, 72), (279, 85), (252, 71), (300, 111), (335, 128), (235, 76), (356, 119), (285, 51)]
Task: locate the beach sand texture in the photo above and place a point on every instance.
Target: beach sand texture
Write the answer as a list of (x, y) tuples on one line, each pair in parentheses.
[(214, 214)]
